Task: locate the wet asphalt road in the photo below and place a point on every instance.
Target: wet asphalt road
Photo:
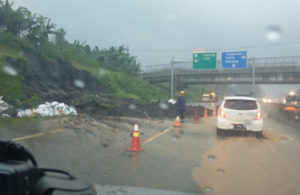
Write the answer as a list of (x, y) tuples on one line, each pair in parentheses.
[(187, 159)]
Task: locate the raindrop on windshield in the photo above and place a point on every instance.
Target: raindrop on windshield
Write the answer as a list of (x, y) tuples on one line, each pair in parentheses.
[(208, 189), (132, 106), (221, 171), (211, 157), (79, 83), (102, 72), (163, 105), (104, 174), (21, 53), (273, 33), (10, 70)]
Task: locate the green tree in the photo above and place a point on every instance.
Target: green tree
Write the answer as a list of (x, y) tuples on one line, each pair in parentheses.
[(40, 29), (60, 36), (17, 21), (117, 59)]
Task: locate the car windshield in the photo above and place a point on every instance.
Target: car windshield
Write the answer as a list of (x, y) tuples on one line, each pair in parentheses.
[(127, 95), (240, 104)]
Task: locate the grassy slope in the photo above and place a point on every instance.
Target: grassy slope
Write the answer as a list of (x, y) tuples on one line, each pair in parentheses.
[(118, 85), (10, 86), (122, 85)]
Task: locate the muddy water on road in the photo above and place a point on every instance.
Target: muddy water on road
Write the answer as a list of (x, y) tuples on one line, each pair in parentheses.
[(246, 165), (187, 159)]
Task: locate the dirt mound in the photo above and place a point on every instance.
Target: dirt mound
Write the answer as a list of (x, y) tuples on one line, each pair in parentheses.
[(159, 110)]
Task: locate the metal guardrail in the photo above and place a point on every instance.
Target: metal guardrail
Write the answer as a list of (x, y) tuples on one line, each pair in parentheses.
[(259, 62)]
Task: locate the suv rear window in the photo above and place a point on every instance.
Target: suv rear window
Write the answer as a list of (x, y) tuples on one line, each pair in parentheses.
[(241, 104)]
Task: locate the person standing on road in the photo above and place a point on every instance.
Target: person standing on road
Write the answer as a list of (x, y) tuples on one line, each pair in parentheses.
[(181, 106)]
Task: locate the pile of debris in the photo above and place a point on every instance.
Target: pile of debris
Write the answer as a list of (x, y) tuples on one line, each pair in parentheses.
[(49, 109), (3, 106)]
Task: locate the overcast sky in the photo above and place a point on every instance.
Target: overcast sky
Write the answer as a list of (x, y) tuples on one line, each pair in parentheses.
[(177, 25)]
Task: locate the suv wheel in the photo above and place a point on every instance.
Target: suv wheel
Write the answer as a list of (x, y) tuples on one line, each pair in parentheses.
[(219, 132), (259, 134)]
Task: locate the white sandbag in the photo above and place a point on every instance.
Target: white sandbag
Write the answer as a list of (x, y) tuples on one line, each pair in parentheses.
[(49, 109), (25, 113), (3, 105), (172, 101), (5, 116)]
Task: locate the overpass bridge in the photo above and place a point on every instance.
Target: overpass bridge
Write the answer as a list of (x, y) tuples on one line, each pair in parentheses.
[(272, 70)]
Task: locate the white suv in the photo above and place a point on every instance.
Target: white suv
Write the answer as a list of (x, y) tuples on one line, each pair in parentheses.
[(240, 113)]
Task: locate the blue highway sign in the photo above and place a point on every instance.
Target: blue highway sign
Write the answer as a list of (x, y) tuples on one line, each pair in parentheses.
[(234, 60)]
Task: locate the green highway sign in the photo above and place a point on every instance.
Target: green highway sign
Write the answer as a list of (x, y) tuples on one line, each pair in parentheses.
[(204, 60)]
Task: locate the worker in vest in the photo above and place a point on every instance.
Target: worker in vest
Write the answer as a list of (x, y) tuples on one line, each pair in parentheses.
[(181, 106)]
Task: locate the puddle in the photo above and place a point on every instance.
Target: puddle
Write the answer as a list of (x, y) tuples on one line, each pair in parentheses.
[(277, 138)]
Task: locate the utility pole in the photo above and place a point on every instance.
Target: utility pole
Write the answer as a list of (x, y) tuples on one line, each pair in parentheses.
[(253, 76), (172, 77), (126, 48)]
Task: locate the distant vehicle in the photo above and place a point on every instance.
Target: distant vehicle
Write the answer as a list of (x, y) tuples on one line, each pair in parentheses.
[(209, 97), (275, 100), (240, 113), (267, 100), (291, 97), (205, 97)]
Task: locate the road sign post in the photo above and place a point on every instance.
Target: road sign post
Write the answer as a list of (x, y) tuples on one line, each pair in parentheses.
[(253, 76), (172, 77), (234, 60), (204, 60)]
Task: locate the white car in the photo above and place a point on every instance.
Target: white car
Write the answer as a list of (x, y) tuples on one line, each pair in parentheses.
[(240, 113), (205, 98)]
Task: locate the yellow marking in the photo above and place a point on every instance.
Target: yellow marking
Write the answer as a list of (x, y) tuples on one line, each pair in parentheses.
[(157, 135), (56, 131), (37, 135), (28, 137)]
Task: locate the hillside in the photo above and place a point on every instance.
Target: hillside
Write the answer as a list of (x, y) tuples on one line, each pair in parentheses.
[(35, 68)]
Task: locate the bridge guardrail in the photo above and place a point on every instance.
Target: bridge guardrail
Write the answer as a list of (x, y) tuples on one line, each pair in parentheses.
[(259, 62)]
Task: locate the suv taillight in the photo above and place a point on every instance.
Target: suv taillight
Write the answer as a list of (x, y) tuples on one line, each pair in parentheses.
[(222, 113), (258, 115)]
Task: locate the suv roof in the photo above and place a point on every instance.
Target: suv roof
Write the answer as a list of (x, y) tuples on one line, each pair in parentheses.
[(240, 98)]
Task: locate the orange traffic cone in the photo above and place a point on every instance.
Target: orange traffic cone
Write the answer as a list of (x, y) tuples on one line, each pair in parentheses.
[(205, 113), (177, 122), (135, 143), (196, 117)]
